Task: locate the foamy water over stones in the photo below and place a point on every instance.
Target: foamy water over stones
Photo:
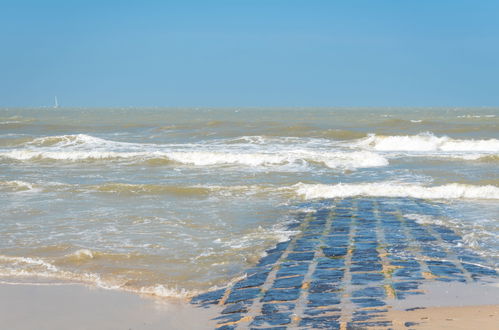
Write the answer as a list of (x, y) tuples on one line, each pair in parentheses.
[(174, 202)]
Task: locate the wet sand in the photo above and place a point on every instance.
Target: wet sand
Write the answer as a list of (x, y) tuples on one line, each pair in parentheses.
[(78, 307), (449, 306), (464, 317)]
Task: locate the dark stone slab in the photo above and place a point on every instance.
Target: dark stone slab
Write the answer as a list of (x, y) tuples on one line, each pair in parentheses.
[(477, 271), (323, 286), (332, 275), (269, 259), (323, 299), (368, 325), (366, 246), (236, 308), (280, 247), (305, 245), (366, 278), (410, 324), (336, 241), (376, 292), (406, 286), (242, 294), (252, 281), (320, 311), (337, 263), (226, 327), (445, 270), (334, 252), (272, 319), (303, 256), (209, 297), (366, 267), (229, 318), (368, 302), (277, 308), (281, 295), (288, 282), (292, 268), (321, 322), (408, 273)]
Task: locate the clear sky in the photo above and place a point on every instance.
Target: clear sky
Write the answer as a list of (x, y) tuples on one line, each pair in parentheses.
[(249, 53)]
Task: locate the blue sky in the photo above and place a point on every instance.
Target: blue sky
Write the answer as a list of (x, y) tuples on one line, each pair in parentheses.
[(249, 53)]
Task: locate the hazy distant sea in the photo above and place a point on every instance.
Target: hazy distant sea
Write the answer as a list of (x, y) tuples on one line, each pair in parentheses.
[(177, 201)]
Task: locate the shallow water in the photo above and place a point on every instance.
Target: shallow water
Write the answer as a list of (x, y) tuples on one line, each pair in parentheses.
[(177, 201)]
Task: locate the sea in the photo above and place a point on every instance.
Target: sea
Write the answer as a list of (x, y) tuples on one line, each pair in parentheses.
[(177, 201)]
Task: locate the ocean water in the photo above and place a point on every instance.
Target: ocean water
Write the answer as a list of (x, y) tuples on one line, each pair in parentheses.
[(174, 202)]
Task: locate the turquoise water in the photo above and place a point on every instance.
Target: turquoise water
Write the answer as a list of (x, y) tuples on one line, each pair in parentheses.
[(177, 201)]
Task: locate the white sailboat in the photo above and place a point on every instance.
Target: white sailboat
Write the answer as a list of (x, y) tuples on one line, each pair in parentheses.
[(56, 104)]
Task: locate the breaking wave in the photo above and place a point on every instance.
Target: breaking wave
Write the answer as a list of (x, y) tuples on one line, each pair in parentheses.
[(393, 189), (31, 267), (427, 142), (82, 147)]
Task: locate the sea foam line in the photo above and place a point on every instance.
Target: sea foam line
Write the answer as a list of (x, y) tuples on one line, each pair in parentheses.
[(426, 142), (394, 189)]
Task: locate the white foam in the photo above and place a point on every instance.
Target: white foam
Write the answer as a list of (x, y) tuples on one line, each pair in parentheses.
[(426, 142), (28, 267), (394, 189), (297, 154), (426, 219)]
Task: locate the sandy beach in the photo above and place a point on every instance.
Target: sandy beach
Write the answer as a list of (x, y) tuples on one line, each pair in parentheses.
[(449, 306), (78, 307)]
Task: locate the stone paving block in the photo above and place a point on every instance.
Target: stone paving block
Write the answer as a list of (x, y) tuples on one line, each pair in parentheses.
[(281, 295), (366, 246), (292, 269), (332, 275), (238, 295), (211, 297), (324, 286), (336, 241), (320, 311), (269, 259), (376, 292), (302, 256), (306, 245), (272, 319), (320, 322), (368, 325), (406, 286), (323, 299), (226, 327), (338, 263), (229, 318), (334, 252), (277, 308), (236, 308), (366, 278), (445, 270), (408, 273), (366, 266), (288, 282), (477, 271), (365, 315), (368, 302), (280, 247), (251, 281)]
